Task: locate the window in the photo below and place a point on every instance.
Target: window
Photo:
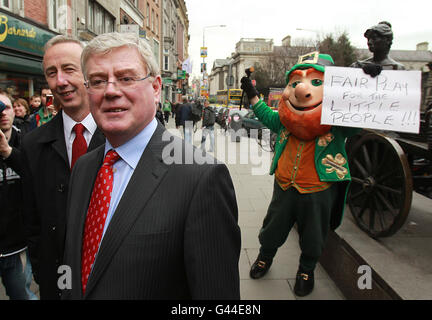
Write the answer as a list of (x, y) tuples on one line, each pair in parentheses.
[(53, 14), (109, 24), (166, 63), (6, 4), (90, 16), (156, 50), (165, 27), (153, 20), (57, 14), (157, 24), (99, 20), (148, 15), (11, 5)]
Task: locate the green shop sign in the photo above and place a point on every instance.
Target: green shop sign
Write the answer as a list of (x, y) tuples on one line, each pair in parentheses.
[(181, 74), (22, 36)]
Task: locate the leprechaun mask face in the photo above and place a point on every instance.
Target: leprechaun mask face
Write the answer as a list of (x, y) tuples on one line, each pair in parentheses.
[(301, 103)]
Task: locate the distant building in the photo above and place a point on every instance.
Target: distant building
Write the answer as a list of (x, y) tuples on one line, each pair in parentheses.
[(411, 59), (226, 73)]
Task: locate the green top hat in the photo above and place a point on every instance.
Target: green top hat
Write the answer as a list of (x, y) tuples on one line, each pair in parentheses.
[(314, 60)]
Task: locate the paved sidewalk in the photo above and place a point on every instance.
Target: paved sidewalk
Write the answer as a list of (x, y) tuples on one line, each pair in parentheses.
[(249, 165)]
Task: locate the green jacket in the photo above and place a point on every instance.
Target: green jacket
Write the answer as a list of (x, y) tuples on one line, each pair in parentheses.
[(331, 161), (167, 106)]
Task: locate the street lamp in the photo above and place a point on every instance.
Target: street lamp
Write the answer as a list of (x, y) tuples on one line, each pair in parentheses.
[(316, 33), (204, 56)]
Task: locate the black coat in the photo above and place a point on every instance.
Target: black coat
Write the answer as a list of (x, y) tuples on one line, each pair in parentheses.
[(184, 248), (45, 179), (185, 113), (12, 236)]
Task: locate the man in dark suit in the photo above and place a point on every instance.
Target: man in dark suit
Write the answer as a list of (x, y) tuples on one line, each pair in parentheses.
[(48, 154), (184, 247)]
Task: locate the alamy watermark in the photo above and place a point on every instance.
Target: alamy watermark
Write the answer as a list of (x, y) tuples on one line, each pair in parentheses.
[(64, 281), (227, 150), (365, 280)]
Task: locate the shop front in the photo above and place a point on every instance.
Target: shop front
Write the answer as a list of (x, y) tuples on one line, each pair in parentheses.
[(21, 52)]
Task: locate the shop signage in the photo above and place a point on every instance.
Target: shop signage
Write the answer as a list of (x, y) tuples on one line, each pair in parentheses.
[(130, 28), (181, 74), (22, 36), (203, 52)]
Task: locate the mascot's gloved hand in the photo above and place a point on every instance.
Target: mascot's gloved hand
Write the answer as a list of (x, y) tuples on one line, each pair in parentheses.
[(247, 86), (372, 69)]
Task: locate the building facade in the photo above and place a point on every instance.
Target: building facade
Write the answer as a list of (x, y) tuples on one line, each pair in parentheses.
[(26, 25), (226, 73), (169, 50), (23, 34), (182, 43)]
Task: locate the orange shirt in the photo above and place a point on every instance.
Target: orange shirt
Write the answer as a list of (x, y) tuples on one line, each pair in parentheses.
[(296, 167)]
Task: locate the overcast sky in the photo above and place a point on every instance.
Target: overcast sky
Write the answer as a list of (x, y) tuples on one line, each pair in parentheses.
[(275, 19)]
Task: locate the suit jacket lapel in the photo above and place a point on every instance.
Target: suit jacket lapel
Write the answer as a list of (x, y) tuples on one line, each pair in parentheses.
[(143, 183), (97, 139), (55, 136)]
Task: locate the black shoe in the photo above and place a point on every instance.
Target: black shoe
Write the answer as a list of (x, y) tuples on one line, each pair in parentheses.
[(304, 283), (260, 267)]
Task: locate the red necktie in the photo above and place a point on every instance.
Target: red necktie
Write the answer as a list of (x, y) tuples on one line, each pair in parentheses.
[(79, 145), (96, 215)]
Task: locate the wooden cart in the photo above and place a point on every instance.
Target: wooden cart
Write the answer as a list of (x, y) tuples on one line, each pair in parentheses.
[(386, 167)]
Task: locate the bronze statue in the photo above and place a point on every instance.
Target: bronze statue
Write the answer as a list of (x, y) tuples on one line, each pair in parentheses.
[(380, 39)]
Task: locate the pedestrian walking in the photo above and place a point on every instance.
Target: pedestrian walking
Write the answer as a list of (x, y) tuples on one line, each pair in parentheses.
[(209, 119), (167, 110), (159, 114), (185, 119)]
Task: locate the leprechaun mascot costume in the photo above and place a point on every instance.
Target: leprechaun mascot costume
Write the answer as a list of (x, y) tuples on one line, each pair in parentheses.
[(310, 167)]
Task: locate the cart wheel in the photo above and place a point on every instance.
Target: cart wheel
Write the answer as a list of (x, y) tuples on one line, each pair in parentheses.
[(381, 190)]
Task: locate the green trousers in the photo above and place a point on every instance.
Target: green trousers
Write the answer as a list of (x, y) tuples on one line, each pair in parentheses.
[(310, 211)]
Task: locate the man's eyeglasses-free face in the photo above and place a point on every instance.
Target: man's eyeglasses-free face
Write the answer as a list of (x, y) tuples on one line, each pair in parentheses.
[(98, 85)]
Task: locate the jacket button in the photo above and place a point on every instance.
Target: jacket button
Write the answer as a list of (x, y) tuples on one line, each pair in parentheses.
[(53, 228)]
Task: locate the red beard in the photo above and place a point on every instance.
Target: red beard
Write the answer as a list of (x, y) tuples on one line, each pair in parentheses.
[(305, 125)]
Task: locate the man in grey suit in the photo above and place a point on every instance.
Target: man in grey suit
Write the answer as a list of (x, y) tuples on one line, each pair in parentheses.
[(125, 239)]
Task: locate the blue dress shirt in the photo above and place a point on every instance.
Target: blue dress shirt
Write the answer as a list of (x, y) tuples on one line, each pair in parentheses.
[(130, 153)]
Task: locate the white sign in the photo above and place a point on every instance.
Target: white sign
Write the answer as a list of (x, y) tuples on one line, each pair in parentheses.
[(390, 101), (129, 28)]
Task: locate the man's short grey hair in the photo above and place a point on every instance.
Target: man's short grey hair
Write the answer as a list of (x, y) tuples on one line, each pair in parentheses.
[(106, 42), (61, 39)]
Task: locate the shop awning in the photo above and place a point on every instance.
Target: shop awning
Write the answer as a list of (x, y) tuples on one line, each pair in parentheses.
[(18, 64)]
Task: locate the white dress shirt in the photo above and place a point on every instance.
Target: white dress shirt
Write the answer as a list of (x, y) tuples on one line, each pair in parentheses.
[(68, 124)]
